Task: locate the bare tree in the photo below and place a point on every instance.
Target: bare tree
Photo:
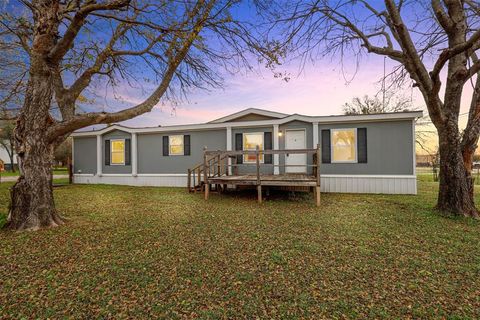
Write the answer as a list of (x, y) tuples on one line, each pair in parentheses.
[(13, 76), (74, 46), (435, 44), (391, 102), (370, 105)]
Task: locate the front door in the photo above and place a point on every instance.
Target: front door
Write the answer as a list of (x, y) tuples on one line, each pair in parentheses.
[(295, 139)]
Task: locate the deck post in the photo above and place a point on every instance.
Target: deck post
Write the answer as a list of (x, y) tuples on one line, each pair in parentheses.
[(189, 180), (205, 173), (317, 187), (259, 184)]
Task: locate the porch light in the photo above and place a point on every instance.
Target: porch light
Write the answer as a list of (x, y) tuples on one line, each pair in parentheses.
[(280, 133)]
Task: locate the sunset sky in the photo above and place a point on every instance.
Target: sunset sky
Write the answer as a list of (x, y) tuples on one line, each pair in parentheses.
[(318, 88)]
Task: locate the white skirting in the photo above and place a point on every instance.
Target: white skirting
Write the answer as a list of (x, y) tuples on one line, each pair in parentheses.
[(388, 184), (146, 180), (405, 184)]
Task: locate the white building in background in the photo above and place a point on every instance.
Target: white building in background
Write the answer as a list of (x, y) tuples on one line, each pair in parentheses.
[(5, 158)]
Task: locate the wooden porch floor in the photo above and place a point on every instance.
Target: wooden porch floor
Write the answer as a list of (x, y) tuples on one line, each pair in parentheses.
[(266, 180)]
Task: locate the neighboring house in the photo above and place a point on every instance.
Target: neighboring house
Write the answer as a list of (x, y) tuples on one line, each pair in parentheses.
[(372, 153)]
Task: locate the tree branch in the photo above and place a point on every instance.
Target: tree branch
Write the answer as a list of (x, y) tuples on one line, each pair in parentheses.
[(64, 44), (174, 60)]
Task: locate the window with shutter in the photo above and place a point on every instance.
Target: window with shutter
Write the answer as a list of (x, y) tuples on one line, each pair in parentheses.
[(250, 142), (117, 151), (175, 145), (344, 145)]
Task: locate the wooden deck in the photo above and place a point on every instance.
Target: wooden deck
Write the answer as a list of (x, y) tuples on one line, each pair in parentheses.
[(267, 180), (220, 169)]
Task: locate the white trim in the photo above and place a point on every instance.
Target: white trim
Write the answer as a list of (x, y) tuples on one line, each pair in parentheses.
[(99, 155), (248, 111), (260, 123), (162, 175), (305, 144), (134, 154), (386, 184), (332, 146), (370, 176), (315, 135), (229, 148), (111, 150), (414, 142), (183, 145), (263, 146), (73, 157), (276, 146)]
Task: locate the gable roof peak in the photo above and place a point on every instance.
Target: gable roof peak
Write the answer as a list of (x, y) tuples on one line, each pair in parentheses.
[(248, 111)]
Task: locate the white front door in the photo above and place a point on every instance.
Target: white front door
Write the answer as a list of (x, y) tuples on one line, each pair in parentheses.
[(295, 139)]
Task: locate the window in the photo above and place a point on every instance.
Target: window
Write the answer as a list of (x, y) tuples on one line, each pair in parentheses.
[(175, 145), (250, 142), (117, 151), (344, 145)]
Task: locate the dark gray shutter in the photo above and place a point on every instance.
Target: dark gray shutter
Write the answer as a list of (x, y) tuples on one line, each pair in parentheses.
[(107, 152), (127, 152), (267, 137), (362, 145), (326, 152), (186, 145), (165, 145), (239, 146)]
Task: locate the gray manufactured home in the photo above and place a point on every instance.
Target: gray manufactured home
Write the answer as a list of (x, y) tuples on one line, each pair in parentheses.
[(359, 153)]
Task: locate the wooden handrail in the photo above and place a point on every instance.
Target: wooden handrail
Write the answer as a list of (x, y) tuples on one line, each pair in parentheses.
[(243, 152), (216, 163)]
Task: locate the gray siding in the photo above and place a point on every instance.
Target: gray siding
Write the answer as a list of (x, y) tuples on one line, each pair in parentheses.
[(309, 143), (389, 149), (251, 168), (116, 134), (389, 145), (85, 155), (151, 159)]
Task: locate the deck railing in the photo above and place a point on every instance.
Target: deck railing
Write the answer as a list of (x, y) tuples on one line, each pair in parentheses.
[(217, 163)]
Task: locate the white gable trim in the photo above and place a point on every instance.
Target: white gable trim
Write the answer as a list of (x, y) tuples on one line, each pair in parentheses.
[(260, 123), (248, 111)]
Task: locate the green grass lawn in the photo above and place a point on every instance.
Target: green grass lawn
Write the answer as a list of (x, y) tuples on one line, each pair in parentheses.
[(130, 252)]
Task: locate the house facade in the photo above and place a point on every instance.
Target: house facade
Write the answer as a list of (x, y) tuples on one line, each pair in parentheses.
[(360, 153)]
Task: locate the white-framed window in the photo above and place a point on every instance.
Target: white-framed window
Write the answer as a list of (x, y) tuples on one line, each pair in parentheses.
[(117, 151), (250, 142), (175, 145), (344, 145)]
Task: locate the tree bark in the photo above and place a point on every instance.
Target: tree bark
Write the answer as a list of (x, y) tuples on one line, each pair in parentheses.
[(455, 194), (32, 205)]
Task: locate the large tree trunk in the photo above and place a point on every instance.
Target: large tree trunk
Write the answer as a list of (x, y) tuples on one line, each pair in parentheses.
[(456, 183), (32, 206)]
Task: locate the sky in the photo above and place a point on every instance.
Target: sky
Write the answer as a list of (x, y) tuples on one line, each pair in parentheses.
[(317, 89)]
